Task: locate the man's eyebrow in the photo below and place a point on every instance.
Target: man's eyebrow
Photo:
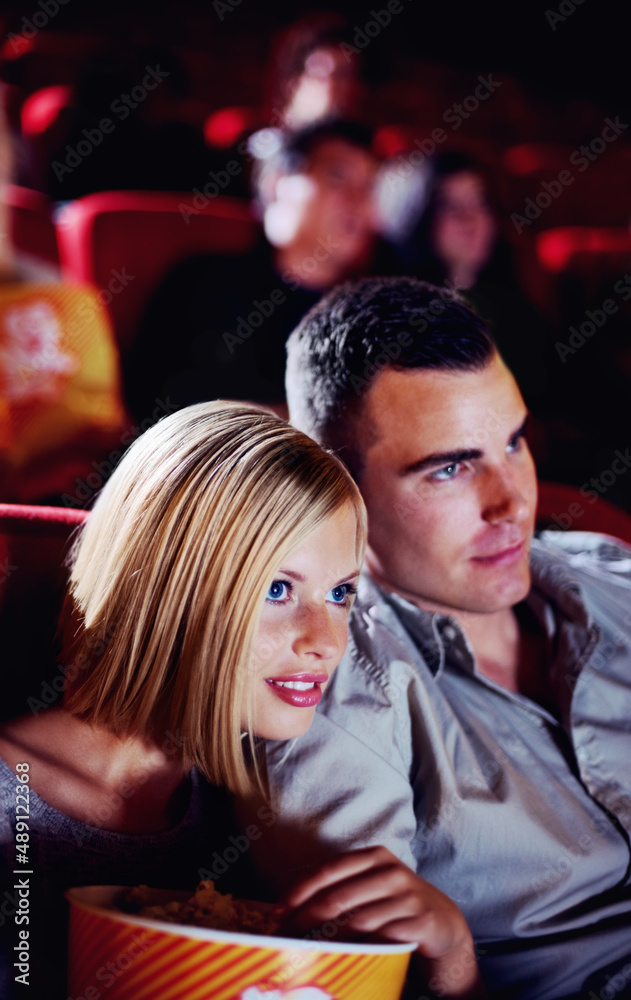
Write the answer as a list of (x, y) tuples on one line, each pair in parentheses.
[(521, 430), (440, 458)]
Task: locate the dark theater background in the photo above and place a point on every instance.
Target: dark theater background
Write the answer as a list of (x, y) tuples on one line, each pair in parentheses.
[(534, 96)]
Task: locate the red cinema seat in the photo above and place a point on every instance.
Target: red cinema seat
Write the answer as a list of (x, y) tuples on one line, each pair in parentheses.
[(563, 507), (584, 262), (126, 241), (580, 248), (224, 128), (530, 157), (33, 545), (32, 227), (555, 185), (41, 110)]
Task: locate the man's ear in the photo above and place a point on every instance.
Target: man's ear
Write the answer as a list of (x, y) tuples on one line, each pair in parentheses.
[(282, 215), (267, 185)]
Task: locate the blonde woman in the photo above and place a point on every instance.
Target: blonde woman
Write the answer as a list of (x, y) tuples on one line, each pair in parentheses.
[(210, 592)]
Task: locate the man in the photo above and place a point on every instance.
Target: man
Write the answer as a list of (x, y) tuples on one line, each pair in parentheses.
[(478, 726), (315, 199)]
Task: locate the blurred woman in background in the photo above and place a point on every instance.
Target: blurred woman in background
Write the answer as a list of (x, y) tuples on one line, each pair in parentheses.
[(446, 229)]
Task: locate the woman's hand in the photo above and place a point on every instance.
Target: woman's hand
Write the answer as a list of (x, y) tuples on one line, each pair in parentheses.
[(370, 894)]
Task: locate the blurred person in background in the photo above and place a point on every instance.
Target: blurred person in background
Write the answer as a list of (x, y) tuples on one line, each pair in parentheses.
[(61, 409), (446, 229), (315, 72), (217, 325), (318, 191), (15, 264)]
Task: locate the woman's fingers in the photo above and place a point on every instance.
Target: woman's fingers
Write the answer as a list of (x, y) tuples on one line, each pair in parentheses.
[(372, 892), (338, 871), (402, 917)]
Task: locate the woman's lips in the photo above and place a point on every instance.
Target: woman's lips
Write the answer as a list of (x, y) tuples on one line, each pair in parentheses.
[(504, 557), (301, 691)]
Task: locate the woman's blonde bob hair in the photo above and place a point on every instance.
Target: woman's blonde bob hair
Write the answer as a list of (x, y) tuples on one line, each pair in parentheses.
[(170, 573)]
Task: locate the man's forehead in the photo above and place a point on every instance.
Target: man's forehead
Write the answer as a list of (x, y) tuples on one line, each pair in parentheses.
[(446, 409), (336, 149)]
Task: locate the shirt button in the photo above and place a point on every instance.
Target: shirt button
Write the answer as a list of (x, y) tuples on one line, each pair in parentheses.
[(449, 632)]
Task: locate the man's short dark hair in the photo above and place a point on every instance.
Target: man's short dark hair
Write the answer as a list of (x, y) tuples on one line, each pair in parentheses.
[(298, 145), (363, 327)]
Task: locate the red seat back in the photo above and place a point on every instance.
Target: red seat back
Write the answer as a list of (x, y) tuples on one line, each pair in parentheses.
[(556, 185), (33, 545), (41, 110), (562, 506), (126, 241), (32, 227), (585, 264), (581, 248)]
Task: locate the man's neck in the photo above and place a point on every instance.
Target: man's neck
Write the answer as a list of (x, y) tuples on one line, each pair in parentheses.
[(495, 639), (509, 646), (320, 274), (510, 649), (325, 268)]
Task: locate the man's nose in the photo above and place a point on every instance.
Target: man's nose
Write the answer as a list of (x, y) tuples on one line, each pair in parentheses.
[(315, 634), (504, 497)]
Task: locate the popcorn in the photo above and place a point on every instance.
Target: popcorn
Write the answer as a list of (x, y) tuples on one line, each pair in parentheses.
[(207, 908)]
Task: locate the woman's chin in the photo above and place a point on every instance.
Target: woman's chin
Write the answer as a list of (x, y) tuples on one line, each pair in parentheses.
[(286, 731)]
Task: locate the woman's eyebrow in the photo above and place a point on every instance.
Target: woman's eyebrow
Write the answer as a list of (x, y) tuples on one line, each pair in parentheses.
[(301, 579), (291, 573)]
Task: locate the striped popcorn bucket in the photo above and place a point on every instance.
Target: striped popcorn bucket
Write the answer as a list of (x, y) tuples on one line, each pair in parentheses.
[(117, 956)]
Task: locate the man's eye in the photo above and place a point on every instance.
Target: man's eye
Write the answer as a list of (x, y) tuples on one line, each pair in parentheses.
[(515, 443), (278, 591), (446, 473), (336, 177)]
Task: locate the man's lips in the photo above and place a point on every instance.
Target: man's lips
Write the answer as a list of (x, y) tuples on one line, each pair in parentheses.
[(502, 557), (299, 690)]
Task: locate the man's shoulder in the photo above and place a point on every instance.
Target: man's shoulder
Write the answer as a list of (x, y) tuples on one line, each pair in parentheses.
[(595, 568), (583, 552)]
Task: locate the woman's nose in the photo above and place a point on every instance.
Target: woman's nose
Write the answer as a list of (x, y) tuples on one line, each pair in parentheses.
[(315, 633)]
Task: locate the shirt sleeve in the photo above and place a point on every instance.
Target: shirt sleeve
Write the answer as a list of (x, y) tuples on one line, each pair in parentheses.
[(345, 784)]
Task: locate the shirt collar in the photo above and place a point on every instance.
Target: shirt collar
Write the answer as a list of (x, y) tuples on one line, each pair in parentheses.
[(555, 599), (432, 632)]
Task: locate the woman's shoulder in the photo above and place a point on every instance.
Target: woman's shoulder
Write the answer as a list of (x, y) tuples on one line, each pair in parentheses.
[(23, 738), (35, 740)]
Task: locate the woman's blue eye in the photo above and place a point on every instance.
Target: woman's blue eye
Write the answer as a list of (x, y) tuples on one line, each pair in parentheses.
[(277, 591), (338, 594)]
